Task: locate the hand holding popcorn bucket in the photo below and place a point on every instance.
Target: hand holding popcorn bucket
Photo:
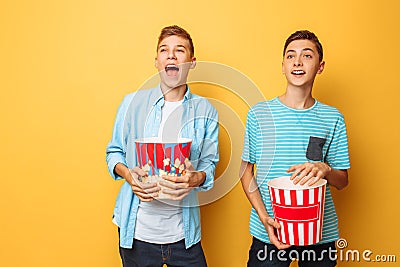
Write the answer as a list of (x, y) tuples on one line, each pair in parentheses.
[(157, 158), (299, 209)]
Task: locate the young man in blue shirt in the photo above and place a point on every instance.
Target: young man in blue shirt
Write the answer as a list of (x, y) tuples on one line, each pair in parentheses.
[(294, 133), (154, 232)]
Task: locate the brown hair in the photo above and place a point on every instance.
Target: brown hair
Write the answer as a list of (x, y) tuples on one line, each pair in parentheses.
[(178, 31), (305, 35)]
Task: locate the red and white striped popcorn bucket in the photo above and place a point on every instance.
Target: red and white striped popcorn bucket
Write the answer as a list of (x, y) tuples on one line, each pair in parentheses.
[(159, 158), (298, 209)]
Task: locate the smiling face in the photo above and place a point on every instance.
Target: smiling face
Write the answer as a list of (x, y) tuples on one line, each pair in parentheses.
[(301, 63), (173, 61)]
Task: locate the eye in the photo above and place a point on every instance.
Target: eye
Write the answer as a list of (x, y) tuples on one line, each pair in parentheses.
[(308, 56), (180, 50), (290, 56), (162, 50)]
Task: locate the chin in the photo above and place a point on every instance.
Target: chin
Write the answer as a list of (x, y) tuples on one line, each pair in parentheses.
[(172, 83)]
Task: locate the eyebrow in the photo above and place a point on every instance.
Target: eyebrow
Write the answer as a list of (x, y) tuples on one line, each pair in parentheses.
[(303, 50), (181, 46)]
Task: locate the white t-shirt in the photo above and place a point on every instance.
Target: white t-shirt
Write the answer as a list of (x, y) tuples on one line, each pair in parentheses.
[(160, 221)]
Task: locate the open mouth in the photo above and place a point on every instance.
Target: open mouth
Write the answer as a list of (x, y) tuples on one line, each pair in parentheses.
[(298, 72), (172, 70)]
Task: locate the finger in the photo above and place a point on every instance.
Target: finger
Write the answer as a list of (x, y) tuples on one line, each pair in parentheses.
[(139, 191), (143, 196), (169, 185), (305, 179), (135, 179), (292, 168), (139, 171), (176, 193), (275, 241), (316, 178), (181, 196), (295, 176), (146, 189), (298, 170), (281, 245), (147, 186), (313, 181), (189, 166), (273, 223), (272, 235), (308, 176), (305, 171), (152, 190), (175, 179)]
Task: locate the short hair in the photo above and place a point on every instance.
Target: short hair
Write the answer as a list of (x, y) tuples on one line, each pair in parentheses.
[(178, 31), (305, 35)]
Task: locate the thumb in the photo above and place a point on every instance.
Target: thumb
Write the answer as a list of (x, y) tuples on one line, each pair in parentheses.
[(189, 165), (292, 168)]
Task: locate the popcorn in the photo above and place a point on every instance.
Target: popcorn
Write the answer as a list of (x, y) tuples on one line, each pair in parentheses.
[(166, 162), (181, 168), (177, 163), (146, 167)]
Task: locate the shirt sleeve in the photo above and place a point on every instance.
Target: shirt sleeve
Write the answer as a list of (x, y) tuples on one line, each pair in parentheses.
[(338, 152), (250, 137), (210, 151), (116, 148)]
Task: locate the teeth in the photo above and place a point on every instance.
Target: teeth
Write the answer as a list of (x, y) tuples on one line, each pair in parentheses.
[(297, 72), (171, 67)]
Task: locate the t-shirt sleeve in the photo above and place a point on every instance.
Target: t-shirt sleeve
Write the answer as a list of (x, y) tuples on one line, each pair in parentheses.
[(338, 151), (250, 137)]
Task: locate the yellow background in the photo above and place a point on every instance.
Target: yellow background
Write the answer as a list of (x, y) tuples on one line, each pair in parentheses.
[(65, 66)]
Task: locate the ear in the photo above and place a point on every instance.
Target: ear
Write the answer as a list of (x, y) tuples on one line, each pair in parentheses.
[(283, 69), (321, 67), (155, 62), (193, 63)]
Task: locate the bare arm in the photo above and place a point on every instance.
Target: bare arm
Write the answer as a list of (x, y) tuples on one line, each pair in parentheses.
[(338, 178), (253, 195)]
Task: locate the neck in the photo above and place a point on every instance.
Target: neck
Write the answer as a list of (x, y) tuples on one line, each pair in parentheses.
[(297, 98), (173, 94)]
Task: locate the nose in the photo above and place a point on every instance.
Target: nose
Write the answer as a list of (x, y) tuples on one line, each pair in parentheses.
[(298, 62), (171, 54)]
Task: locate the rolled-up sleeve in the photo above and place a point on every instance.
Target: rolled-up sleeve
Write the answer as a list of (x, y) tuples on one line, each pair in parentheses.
[(116, 148)]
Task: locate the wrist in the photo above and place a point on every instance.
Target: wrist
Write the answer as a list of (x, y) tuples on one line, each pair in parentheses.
[(329, 167), (265, 217), (202, 178)]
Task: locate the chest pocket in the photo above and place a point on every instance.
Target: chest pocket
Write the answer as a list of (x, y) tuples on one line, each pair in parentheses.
[(314, 148)]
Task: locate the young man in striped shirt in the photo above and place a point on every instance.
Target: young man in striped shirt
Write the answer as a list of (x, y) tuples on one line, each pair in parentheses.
[(296, 134)]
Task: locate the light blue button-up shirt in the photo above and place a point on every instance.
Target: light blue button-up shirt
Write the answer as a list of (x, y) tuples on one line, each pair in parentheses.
[(139, 116)]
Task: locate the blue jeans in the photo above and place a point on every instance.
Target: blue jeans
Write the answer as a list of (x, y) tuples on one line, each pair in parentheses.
[(267, 255), (144, 254)]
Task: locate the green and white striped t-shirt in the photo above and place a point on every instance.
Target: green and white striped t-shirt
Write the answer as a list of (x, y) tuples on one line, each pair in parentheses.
[(278, 137)]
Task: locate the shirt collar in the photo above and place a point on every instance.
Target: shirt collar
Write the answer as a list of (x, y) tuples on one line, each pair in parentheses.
[(160, 100)]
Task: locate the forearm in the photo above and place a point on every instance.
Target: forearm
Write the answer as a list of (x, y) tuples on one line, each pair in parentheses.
[(201, 177), (123, 171), (250, 188), (337, 178)]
